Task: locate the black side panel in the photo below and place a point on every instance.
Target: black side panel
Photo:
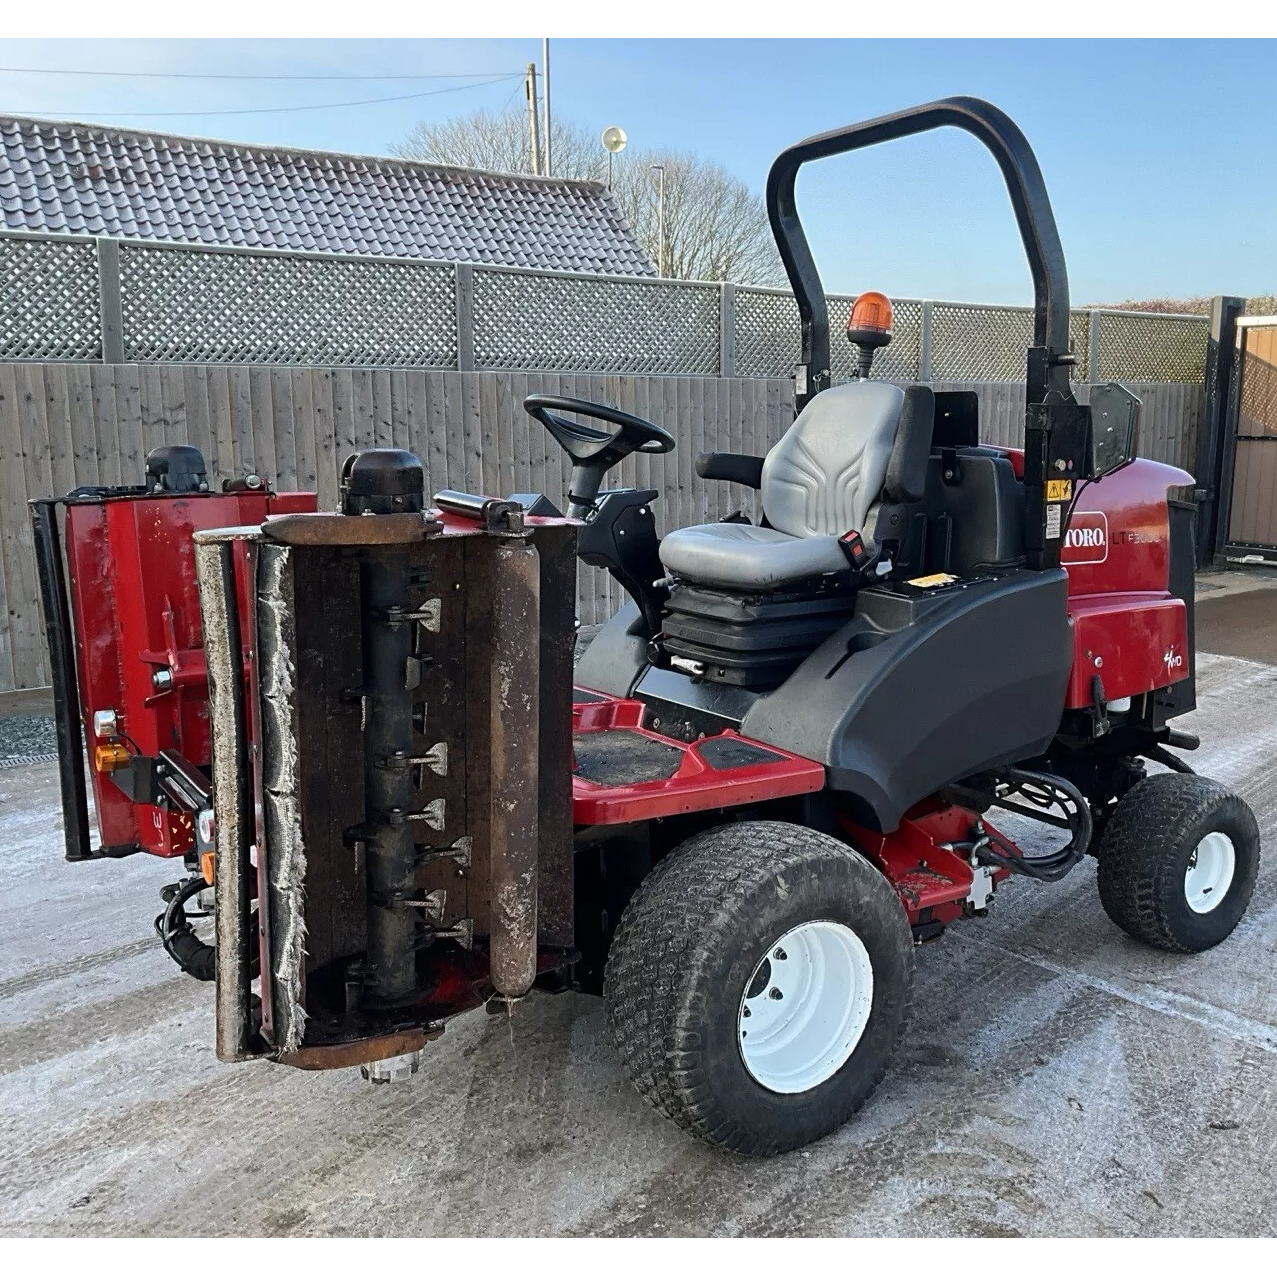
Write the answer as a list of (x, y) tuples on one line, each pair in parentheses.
[(66, 694), (1181, 697), (957, 419), (617, 654), (896, 709), (983, 503), (685, 707)]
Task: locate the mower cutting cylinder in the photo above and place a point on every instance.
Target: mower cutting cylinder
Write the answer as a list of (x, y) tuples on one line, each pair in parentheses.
[(390, 671)]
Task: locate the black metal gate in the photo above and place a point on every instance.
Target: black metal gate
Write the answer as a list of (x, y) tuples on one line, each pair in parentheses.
[(1250, 513)]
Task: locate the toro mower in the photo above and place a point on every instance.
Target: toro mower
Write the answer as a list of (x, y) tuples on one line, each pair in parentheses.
[(774, 772)]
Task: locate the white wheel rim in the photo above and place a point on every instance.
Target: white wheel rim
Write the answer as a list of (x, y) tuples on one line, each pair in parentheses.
[(805, 1006), (1210, 872)]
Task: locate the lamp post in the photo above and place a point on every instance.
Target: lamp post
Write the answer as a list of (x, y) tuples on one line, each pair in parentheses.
[(660, 220), (614, 140)]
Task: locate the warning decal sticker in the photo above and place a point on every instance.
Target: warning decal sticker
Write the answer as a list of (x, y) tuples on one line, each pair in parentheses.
[(1059, 489), (1053, 513)]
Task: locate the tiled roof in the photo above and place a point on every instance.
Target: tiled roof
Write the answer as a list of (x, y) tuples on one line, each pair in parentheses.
[(87, 179)]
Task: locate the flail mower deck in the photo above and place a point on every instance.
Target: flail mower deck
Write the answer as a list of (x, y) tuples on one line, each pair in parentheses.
[(779, 770)]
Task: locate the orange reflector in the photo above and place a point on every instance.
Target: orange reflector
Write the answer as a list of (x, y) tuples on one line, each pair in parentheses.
[(110, 757), (206, 867), (871, 313)]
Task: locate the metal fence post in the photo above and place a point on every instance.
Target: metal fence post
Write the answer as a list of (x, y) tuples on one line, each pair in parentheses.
[(727, 329), (1093, 350), (465, 317), (1215, 446), (924, 344), (111, 308)]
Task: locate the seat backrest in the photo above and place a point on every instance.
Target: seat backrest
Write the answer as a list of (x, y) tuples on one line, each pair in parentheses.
[(830, 466)]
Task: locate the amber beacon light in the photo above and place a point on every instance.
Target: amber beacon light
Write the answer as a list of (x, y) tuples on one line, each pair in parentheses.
[(869, 327)]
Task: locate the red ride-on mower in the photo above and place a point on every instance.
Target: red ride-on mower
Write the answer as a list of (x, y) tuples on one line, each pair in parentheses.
[(781, 765)]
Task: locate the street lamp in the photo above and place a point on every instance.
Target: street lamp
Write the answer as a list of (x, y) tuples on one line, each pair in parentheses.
[(614, 140), (660, 221)]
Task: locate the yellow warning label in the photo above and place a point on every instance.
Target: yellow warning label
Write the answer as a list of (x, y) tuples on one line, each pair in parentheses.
[(1059, 489), (936, 578)]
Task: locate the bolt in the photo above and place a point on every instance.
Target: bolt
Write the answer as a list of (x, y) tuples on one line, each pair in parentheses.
[(775, 994), (780, 955), (748, 1012)]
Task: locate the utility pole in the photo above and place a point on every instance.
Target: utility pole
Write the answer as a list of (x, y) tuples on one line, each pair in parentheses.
[(545, 88), (530, 85), (660, 221)]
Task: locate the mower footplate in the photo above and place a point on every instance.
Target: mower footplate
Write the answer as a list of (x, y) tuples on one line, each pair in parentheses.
[(624, 772)]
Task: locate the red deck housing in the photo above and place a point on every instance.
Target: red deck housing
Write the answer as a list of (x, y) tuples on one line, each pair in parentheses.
[(135, 610)]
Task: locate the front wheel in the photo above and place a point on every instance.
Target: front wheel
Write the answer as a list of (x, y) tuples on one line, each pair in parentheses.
[(1178, 862), (758, 984)]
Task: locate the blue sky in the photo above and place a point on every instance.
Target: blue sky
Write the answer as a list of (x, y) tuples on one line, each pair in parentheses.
[(1161, 157)]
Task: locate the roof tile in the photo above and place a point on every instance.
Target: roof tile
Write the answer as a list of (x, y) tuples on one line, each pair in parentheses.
[(156, 186)]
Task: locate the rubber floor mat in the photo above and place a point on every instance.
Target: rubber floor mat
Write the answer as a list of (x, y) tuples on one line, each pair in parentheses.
[(619, 757)]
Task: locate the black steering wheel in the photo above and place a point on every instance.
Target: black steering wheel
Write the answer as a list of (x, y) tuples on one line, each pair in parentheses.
[(595, 452)]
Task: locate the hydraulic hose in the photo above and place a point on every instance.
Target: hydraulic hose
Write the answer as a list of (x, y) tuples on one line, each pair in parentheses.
[(180, 941), (1051, 868)]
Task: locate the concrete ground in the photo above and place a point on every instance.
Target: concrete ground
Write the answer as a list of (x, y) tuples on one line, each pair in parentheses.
[(1056, 1079)]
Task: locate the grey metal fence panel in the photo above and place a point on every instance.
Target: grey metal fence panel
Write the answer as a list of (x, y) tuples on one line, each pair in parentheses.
[(988, 343), (594, 323), (49, 299), (182, 305), (767, 334), (63, 298), (1141, 347)]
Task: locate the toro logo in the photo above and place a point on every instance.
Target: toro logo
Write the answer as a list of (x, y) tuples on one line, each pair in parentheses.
[(1087, 540)]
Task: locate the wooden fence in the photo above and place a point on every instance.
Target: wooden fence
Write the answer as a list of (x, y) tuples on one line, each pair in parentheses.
[(63, 425)]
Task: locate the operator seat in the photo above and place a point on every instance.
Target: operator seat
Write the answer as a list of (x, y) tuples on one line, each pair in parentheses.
[(854, 453)]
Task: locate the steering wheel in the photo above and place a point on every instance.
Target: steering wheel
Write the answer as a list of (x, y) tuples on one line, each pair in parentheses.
[(595, 452)]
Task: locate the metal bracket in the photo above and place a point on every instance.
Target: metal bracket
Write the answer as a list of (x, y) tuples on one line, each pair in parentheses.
[(461, 851), (435, 758), (427, 615), (432, 814)]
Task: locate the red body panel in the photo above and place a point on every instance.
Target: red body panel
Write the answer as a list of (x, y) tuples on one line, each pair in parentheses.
[(1127, 626), (695, 786), (925, 874), (135, 609)]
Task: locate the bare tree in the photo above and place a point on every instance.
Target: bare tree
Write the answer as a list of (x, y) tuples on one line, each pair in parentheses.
[(715, 226), (500, 144)]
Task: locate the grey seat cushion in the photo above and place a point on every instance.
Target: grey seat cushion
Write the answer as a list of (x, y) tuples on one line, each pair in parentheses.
[(824, 478), (739, 555), (828, 469)]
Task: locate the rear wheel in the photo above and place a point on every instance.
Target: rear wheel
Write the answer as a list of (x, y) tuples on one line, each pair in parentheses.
[(1178, 862), (758, 984)]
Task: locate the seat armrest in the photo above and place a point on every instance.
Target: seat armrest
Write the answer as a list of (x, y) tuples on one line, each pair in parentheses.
[(735, 467)]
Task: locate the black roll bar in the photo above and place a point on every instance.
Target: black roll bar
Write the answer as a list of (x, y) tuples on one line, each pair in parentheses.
[(1048, 366)]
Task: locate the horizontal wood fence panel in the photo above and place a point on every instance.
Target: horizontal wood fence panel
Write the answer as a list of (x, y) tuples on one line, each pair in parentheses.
[(63, 425)]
